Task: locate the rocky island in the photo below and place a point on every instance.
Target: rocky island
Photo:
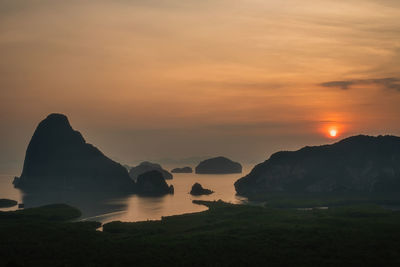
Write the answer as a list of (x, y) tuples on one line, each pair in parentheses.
[(7, 203), (355, 164), (146, 166), (218, 165), (198, 190), (58, 157), (182, 170), (153, 183)]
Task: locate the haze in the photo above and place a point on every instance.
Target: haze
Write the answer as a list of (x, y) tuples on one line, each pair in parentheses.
[(157, 80)]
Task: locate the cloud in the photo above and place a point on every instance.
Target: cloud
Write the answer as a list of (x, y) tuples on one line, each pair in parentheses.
[(386, 83), (239, 85), (341, 84)]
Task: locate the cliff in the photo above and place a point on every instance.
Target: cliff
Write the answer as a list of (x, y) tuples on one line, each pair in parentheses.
[(359, 163), (58, 157)]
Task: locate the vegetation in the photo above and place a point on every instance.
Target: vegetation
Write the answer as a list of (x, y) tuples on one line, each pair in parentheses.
[(225, 235), (54, 212), (6, 203), (309, 200)]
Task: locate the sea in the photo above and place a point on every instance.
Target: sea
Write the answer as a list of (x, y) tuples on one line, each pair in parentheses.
[(104, 208)]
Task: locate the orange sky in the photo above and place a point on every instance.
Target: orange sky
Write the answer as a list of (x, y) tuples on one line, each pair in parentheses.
[(152, 79)]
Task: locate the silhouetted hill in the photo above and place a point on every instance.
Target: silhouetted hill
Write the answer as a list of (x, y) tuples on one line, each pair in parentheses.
[(182, 170), (218, 165), (58, 157), (153, 183), (146, 167), (359, 163)]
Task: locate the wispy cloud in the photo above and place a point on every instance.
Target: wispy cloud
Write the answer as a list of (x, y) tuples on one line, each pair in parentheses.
[(386, 83)]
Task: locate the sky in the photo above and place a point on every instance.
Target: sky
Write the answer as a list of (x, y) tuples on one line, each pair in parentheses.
[(168, 80)]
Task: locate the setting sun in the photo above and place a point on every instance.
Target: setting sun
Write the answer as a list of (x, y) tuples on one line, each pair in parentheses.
[(333, 133)]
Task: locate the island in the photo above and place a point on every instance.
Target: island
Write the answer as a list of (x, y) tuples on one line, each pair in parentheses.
[(153, 183), (182, 170), (355, 164), (146, 166), (218, 165), (7, 203), (198, 190), (58, 158)]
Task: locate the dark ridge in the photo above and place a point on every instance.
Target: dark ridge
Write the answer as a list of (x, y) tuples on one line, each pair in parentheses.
[(358, 163)]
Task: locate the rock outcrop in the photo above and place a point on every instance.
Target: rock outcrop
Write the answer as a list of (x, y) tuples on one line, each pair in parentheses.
[(218, 165), (58, 157), (146, 167), (198, 190), (182, 170), (153, 183), (359, 163)]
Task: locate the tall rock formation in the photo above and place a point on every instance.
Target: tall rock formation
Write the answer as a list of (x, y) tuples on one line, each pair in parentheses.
[(58, 157)]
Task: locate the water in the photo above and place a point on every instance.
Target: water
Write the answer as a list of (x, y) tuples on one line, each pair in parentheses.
[(105, 207), (8, 191)]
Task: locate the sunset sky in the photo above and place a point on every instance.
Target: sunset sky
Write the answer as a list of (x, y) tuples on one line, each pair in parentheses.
[(157, 79)]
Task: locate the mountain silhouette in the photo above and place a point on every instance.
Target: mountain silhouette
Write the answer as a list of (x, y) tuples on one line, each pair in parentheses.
[(58, 157), (359, 163)]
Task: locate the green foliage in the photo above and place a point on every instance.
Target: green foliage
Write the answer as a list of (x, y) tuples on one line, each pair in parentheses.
[(224, 235), (54, 212), (309, 200)]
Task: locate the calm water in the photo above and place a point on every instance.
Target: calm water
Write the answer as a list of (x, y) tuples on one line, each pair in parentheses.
[(106, 207)]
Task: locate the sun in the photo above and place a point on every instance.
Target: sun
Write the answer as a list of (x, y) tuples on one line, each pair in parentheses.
[(333, 129)]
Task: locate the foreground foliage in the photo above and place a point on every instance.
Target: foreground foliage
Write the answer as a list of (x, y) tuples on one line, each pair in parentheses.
[(225, 235), (306, 200)]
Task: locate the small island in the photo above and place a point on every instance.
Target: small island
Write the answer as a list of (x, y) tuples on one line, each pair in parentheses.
[(147, 166), (153, 183), (182, 170), (7, 203), (218, 165), (198, 190)]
